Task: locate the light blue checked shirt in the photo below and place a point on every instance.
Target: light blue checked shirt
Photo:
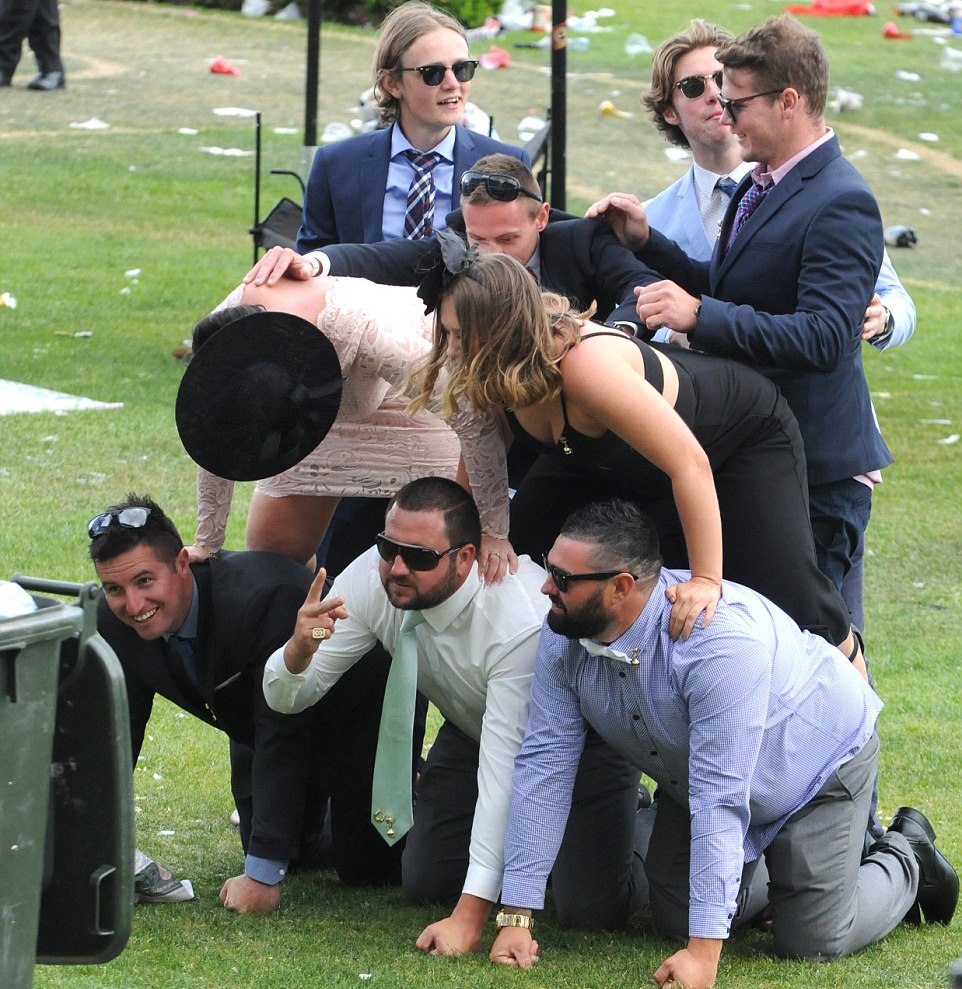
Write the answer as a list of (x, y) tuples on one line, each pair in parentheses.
[(743, 723)]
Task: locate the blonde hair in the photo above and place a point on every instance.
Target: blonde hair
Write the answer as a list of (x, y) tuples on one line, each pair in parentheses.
[(509, 340), (399, 30)]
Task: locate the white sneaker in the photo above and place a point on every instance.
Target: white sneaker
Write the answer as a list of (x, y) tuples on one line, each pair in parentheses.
[(155, 884)]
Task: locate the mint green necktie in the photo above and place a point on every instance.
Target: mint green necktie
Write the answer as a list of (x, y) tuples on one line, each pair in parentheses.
[(391, 805)]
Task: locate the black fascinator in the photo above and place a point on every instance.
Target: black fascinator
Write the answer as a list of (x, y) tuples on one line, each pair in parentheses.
[(449, 259)]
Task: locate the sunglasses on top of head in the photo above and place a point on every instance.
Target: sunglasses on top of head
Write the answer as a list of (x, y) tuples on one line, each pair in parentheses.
[(503, 188), (433, 74), (129, 518), (694, 86), (561, 578), (414, 557)]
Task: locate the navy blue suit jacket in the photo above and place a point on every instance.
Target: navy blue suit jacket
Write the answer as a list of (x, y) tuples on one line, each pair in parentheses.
[(344, 203), (580, 259), (789, 298)]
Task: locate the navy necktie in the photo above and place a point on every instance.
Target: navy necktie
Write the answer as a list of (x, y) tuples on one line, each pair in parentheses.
[(419, 214), (727, 185), (181, 656)]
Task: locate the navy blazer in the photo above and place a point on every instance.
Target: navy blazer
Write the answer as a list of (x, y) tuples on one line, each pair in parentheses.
[(344, 202), (580, 259), (789, 299)]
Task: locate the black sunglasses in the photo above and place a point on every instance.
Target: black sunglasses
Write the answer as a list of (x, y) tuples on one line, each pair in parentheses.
[(414, 557), (433, 74), (694, 86), (504, 188), (561, 579), (129, 518), (731, 107)]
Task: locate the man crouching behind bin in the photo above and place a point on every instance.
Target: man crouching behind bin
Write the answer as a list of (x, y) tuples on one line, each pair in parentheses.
[(199, 635)]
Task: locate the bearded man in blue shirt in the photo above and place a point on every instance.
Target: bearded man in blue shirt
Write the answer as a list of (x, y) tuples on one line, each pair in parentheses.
[(762, 739)]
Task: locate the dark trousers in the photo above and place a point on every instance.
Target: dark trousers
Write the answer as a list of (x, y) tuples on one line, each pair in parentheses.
[(597, 880), (338, 769), (39, 22), (840, 513)]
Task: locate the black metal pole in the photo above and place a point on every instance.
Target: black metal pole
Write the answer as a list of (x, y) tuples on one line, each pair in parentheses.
[(314, 16), (559, 96), (257, 184)]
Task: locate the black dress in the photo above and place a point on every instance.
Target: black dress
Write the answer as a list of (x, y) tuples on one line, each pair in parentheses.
[(755, 449)]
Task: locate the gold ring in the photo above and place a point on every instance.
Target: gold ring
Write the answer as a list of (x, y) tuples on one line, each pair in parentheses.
[(320, 634)]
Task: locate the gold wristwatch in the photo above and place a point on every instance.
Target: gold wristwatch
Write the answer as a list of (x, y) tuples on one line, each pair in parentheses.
[(514, 920)]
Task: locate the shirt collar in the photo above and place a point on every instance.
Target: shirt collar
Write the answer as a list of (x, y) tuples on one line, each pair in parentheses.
[(705, 180), (189, 629), (764, 178), (400, 144), (630, 646), (441, 615), (533, 264)]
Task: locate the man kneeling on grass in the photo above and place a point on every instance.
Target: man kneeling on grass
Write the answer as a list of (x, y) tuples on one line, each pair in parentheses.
[(199, 635), (470, 648), (762, 740)]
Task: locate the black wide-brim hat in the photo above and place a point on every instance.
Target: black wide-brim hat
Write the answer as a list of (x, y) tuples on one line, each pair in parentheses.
[(258, 396)]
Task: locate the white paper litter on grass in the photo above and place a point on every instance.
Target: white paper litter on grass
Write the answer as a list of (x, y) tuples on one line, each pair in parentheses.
[(16, 397), (227, 152), (949, 440), (189, 131), (94, 123), (676, 154), (234, 111), (903, 154)]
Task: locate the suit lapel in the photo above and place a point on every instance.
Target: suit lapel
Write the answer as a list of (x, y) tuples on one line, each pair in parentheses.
[(371, 187), (789, 187), (464, 158)]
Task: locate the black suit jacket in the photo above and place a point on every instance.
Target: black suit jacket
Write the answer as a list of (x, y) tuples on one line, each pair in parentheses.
[(580, 259), (248, 603)]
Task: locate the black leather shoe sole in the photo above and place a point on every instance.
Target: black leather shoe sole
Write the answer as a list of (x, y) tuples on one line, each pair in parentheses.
[(938, 881)]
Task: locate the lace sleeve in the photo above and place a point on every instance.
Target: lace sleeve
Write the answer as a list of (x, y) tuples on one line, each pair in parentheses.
[(482, 446), (213, 507)]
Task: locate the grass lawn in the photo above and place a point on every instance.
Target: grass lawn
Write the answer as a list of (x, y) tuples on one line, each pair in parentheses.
[(82, 208)]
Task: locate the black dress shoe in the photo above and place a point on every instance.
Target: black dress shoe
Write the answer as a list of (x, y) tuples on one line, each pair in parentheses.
[(938, 881), (47, 81)]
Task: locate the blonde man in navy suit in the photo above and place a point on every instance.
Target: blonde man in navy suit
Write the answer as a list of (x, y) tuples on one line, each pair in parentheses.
[(358, 188)]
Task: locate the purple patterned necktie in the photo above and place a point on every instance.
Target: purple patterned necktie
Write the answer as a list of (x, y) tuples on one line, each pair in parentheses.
[(419, 215), (756, 193)]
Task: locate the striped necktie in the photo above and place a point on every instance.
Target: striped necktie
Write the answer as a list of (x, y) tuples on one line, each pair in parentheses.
[(419, 214)]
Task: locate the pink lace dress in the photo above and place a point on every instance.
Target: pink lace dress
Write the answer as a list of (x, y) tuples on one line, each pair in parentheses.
[(375, 446)]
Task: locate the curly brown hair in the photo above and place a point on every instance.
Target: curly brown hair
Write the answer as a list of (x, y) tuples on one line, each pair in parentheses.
[(698, 34)]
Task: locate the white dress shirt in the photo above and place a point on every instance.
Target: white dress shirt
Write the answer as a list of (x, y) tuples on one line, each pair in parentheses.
[(476, 655)]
